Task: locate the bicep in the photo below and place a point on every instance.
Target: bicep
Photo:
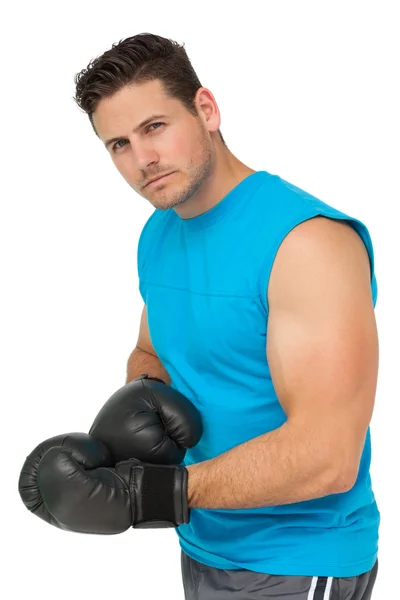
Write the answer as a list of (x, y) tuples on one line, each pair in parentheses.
[(322, 343)]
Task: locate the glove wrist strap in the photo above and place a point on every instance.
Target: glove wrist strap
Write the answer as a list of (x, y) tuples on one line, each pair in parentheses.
[(159, 495)]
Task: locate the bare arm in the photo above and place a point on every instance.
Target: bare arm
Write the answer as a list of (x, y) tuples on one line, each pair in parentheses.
[(322, 349), (144, 358)]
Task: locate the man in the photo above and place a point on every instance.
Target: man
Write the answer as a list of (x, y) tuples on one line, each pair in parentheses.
[(259, 307)]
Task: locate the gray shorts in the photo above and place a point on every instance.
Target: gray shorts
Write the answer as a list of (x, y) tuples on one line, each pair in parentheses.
[(202, 582)]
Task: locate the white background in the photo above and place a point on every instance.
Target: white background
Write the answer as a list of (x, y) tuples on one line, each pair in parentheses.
[(308, 91)]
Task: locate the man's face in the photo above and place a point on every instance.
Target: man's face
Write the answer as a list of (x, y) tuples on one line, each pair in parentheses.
[(176, 143)]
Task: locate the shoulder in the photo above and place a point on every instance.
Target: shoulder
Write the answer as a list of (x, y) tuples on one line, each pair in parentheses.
[(322, 237), (319, 252), (316, 228)]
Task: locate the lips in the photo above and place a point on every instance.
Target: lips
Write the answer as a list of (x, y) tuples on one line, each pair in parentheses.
[(158, 179)]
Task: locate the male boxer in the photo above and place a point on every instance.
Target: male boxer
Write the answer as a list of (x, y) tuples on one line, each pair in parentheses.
[(258, 307)]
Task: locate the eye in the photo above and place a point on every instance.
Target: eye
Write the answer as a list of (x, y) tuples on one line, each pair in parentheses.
[(115, 146), (155, 124)]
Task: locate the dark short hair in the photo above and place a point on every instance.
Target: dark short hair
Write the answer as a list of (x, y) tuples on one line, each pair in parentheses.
[(138, 59)]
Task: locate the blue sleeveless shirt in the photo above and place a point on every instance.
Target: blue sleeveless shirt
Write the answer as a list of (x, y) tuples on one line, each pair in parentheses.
[(204, 281)]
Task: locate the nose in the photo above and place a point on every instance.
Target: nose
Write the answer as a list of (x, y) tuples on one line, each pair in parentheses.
[(143, 155)]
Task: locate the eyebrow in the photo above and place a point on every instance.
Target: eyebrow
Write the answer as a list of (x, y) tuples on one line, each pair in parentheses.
[(142, 124)]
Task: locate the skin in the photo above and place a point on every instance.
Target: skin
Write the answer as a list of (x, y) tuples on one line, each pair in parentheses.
[(204, 169), (322, 342)]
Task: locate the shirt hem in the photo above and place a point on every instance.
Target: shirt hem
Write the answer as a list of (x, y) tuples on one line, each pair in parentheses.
[(338, 570)]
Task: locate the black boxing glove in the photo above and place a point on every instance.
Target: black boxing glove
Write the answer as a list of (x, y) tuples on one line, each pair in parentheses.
[(111, 500), (148, 420), (86, 450)]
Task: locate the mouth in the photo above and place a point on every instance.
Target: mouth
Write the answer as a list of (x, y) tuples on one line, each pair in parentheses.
[(158, 180)]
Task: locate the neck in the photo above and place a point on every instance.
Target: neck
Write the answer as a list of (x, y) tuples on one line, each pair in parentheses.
[(228, 171)]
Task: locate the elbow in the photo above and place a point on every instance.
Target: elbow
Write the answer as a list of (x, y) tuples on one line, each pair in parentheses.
[(343, 478), (344, 464)]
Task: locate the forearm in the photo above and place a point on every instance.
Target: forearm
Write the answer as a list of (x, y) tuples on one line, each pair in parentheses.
[(142, 362), (281, 467)]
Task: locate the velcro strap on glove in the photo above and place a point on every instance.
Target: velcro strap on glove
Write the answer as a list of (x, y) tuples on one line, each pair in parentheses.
[(159, 494)]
